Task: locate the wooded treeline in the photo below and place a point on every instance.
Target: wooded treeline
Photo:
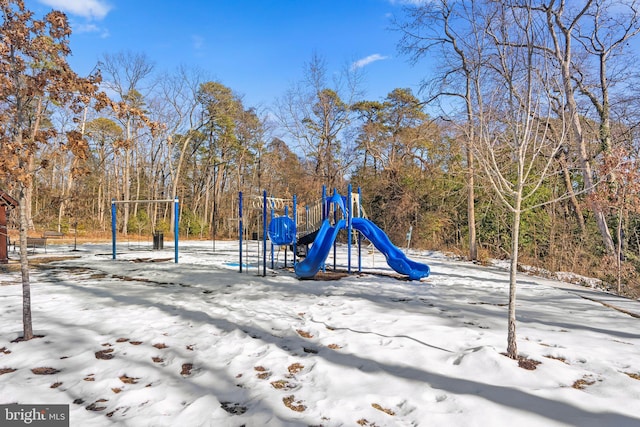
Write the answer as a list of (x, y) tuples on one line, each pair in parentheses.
[(548, 73)]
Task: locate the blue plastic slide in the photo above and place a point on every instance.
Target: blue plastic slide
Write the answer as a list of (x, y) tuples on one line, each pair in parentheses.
[(395, 257), (319, 250), (327, 235)]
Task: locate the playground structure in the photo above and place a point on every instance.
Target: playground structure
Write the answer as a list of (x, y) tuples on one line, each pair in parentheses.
[(319, 226)]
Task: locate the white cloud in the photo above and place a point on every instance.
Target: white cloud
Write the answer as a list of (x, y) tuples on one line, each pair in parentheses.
[(86, 28), (368, 60), (198, 41), (90, 28), (91, 9)]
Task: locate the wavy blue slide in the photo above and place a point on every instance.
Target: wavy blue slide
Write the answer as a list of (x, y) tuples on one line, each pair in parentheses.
[(327, 235), (395, 257)]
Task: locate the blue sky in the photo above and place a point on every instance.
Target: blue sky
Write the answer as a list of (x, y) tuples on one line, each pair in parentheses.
[(258, 48)]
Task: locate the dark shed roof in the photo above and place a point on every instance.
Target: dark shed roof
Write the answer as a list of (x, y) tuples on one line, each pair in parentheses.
[(7, 200)]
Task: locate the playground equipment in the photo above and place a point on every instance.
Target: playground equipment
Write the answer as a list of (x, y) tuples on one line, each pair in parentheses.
[(395, 257), (321, 231), (275, 225), (176, 210), (327, 234)]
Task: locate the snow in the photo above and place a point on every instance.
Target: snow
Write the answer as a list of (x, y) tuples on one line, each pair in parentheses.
[(143, 343)]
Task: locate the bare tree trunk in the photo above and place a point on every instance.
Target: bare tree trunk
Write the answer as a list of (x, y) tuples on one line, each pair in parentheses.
[(27, 324), (66, 193), (611, 29), (101, 200), (207, 201), (587, 176), (572, 196), (563, 53), (126, 189), (619, 256), (28, 197), (176, 173), (136, 166), (512, 345), (471, 208)]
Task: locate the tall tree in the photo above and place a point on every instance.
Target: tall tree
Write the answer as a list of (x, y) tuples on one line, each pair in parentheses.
[(33, 70), (183, 117), (404, 163), (317, 114), (125, 74), (605, 35), (102, 134), (220, 143), (370, 137), (448, 30), (562, 24), (517, 146)]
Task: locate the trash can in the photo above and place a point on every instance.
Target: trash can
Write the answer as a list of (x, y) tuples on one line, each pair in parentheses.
[(158, 240)]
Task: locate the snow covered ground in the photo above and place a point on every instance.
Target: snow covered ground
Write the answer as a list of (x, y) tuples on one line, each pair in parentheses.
[(142, 341)]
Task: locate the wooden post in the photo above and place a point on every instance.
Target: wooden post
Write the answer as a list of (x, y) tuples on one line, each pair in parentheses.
[(4, 236), (6, 202)]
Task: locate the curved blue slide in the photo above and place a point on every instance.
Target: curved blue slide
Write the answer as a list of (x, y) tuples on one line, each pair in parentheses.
[(327, 235), (395, 257), (319, 250)]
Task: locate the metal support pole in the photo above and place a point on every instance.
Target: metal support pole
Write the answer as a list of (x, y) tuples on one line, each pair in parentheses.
[(264, 233), (349, 208), (295, 229), (286, 214), (176, 225), (273, 260), (325, 208), (240, 231), (359, 233), (113, 228), (335, 224)]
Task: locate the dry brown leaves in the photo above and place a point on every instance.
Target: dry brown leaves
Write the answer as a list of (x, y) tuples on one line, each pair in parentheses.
[(293, 404), (304, 334), (128, 380), (294, 368), (104, 354), (385, 410), (582, 383), (45, 371), (262, 372), (186, 369)]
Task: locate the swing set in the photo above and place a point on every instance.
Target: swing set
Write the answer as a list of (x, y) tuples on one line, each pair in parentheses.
[(176, 222)]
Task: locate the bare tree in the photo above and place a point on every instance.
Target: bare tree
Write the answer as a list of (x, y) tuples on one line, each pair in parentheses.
[(125, 73), (33, 70), (605, 35), (102, 134), (76, 167), (562, 25), (183, 118), (448, 30), (516, 147), (317, 114)]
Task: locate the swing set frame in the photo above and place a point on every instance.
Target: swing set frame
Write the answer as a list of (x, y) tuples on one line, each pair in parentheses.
[(176, 222)]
